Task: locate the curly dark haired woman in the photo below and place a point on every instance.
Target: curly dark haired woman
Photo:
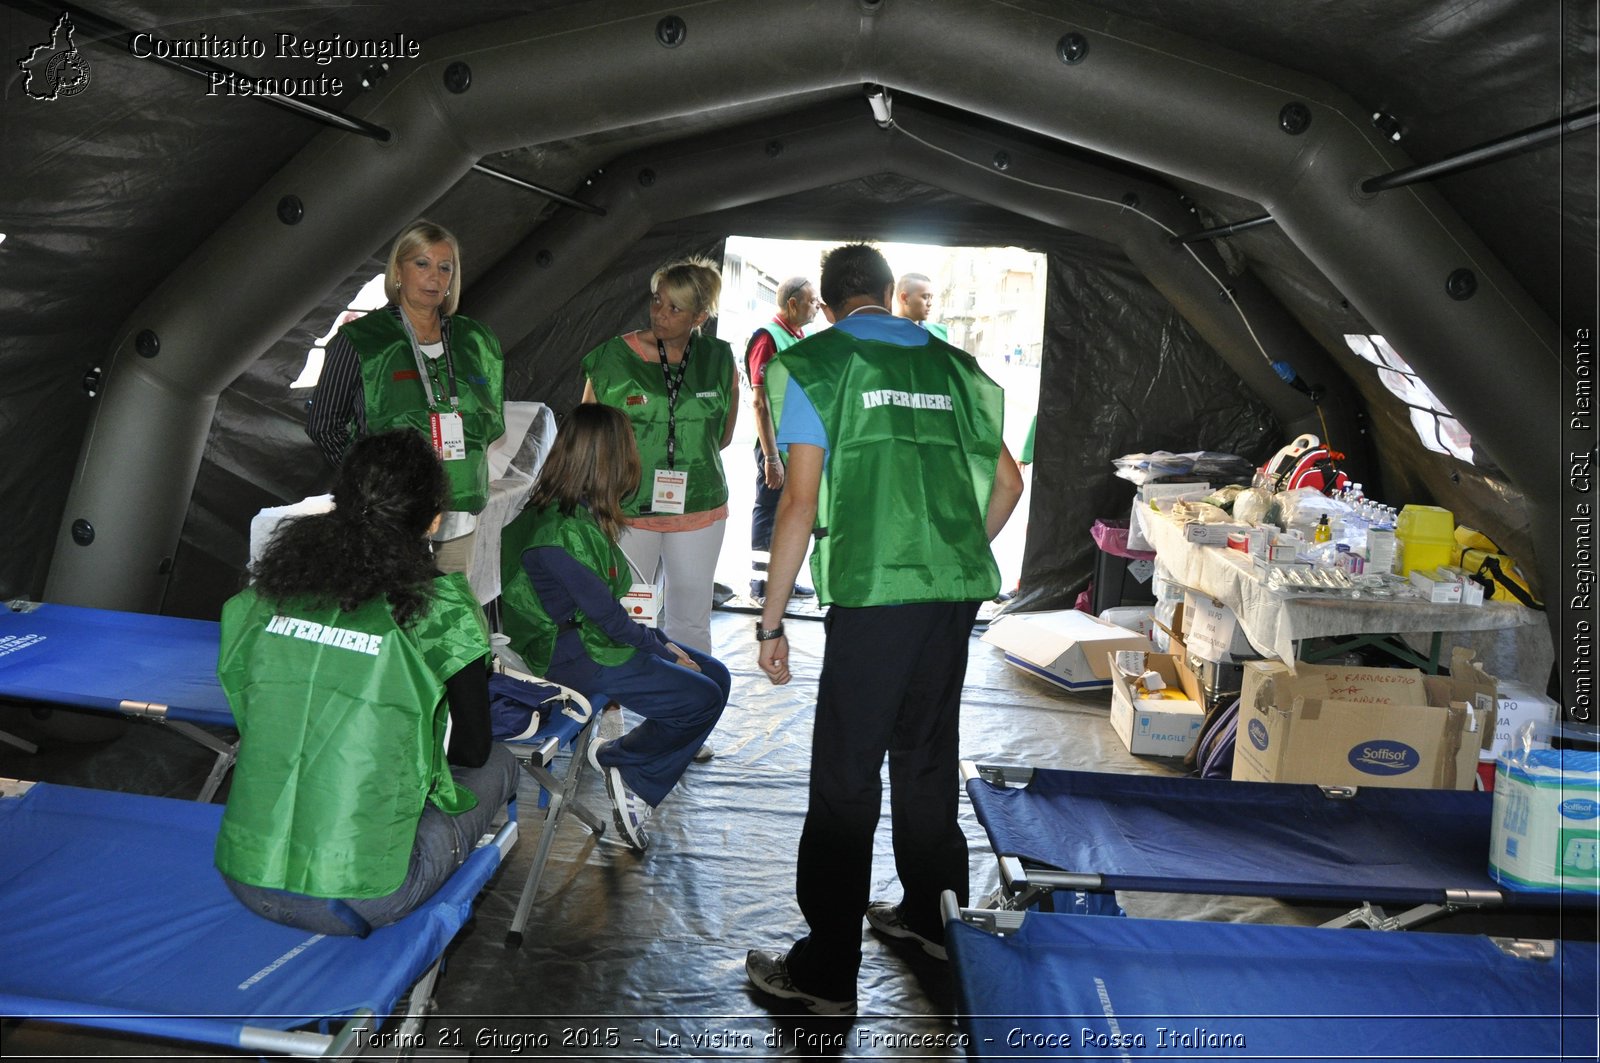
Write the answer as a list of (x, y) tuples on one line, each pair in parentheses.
[(342, 664)]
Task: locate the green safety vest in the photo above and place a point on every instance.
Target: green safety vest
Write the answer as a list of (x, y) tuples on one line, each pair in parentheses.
[(914, 438), (624, 380), (783, 340), (341, 719), (530, 628), (396, 398)]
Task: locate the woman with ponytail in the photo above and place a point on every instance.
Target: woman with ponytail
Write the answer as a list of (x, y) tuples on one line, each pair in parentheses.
[(343, 662)]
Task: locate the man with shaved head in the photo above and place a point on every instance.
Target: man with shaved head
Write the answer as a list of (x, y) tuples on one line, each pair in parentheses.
[(913, 300)]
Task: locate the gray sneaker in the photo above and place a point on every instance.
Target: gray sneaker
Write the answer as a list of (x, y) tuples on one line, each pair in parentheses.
[(768, 971), (886, 919)]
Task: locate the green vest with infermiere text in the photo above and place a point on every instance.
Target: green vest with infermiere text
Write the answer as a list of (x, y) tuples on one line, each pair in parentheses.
[(914, 439), (531, 630), (636, 387), (341, 719), (782, 339), (394, 395)]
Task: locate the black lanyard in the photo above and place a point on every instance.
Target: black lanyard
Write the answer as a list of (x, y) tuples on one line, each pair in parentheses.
[(674, 386)]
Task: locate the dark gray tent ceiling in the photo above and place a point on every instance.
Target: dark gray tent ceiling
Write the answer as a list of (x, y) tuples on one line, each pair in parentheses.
[(107, 194)]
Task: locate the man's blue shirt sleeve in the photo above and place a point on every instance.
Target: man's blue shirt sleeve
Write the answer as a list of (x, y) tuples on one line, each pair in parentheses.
[(800, 421)]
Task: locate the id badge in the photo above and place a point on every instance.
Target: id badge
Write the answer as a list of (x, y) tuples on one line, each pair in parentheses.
[(671, 488), (449, 436), (642, 603)]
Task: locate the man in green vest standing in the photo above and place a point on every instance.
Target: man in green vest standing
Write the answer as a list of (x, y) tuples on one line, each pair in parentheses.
[(797, 306), (913, 295), (896, 463)]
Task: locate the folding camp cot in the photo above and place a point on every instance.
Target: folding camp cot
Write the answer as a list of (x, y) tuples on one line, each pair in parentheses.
[(1043, 984), (117, 919), (159, 668), (165, 669), (1077, 830)]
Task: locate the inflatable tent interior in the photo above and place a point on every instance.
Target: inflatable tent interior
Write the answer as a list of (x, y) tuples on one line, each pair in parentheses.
[(172, 249), (1234, 198)]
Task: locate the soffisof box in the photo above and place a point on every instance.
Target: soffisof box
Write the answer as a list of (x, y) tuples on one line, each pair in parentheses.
[(1545, 836), (1162, 727), (1363, 726)]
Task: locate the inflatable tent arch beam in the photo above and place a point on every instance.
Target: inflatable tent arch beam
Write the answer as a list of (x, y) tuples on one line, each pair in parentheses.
[(1291, 143), (829, 145)]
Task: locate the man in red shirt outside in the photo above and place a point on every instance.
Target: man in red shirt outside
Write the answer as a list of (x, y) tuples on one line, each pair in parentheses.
[(797, 306)]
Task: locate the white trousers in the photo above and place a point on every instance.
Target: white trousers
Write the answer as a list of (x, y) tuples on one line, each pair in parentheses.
[(686, 564)]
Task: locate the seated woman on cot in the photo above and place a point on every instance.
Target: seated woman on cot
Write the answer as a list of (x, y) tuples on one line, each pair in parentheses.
[(342, 663), (562, 575)]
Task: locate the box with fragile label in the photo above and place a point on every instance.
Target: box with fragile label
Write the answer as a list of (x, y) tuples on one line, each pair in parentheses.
[(1363, 726), (1066, 647), (1545, 835), (1163, 726)]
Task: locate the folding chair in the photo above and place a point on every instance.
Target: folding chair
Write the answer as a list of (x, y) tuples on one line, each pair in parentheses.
[(565, 721)]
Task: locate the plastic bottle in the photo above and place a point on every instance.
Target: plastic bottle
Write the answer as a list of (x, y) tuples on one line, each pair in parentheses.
[(1323, 532), (1382, 547)]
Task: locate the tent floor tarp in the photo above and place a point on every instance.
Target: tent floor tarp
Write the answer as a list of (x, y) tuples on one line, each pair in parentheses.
[(648, 951)]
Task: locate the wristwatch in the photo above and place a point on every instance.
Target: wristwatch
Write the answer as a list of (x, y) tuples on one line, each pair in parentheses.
[(762, 635)]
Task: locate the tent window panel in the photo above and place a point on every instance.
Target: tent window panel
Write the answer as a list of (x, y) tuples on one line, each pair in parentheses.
[(1430, 417), (370, 297)]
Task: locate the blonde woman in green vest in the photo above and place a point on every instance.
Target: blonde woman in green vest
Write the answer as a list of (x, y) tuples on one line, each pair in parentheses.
[(341, 663), (680, 390), (419, 364)]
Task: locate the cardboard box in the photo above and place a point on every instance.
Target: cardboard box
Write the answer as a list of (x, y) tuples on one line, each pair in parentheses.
[(1363, 726), (1545, 834), (1437, 591), (1150, 495), (1212, 632), (1160, 727), (1068, 648), (1212, 534), (1518, 704)]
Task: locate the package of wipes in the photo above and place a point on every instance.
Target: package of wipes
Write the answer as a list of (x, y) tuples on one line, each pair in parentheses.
[(1545, 835)]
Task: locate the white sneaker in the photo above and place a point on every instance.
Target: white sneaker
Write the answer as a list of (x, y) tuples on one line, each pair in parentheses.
[(768, 971), (629, 811)]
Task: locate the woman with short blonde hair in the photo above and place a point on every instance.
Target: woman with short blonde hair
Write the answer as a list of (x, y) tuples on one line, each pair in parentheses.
[(419, 364)]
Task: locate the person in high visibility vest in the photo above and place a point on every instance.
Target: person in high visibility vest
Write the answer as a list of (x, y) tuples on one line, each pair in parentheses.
[(562, 573), (419, 364), (680, 390), (897, 468), (797, 306), (342, 662)]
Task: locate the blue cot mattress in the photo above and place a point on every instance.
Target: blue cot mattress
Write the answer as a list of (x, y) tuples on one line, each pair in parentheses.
[(116, 918), (1075, 986)]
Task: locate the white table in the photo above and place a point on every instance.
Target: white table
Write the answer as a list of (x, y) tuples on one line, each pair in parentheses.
[(1510, 640)]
